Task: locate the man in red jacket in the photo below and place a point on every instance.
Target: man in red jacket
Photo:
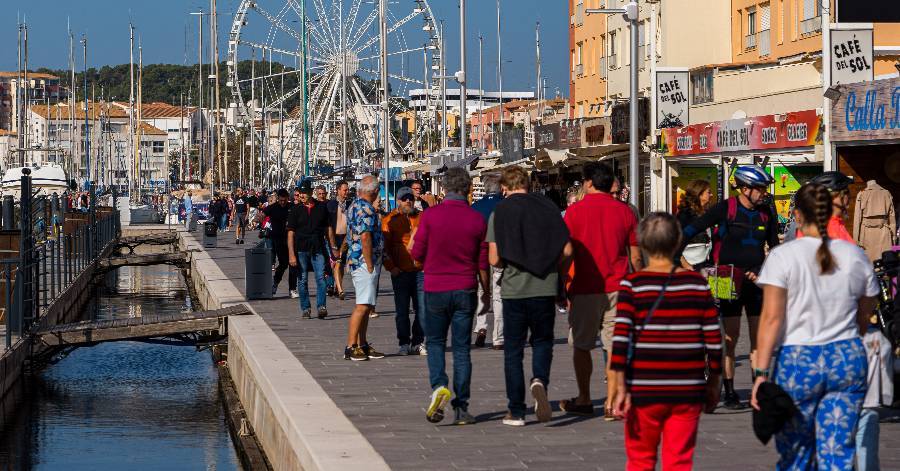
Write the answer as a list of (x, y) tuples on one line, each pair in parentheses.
[(450, 243)]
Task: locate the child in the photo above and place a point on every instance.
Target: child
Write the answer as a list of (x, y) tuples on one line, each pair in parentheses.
[(667, 335)]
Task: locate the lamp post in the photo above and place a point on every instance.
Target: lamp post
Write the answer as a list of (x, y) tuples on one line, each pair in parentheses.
[(630, 13)]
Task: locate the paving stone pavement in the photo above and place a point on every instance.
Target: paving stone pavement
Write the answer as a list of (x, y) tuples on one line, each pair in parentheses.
[(386, 399)]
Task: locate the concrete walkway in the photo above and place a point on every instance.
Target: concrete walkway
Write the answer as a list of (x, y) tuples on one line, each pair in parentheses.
[(385, 399)]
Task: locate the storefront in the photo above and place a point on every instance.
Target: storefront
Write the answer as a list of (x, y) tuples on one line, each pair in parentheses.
[(787, 145), (865, 131)]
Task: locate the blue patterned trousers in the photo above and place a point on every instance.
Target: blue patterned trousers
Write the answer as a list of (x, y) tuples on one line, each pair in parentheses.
[(827, 383)]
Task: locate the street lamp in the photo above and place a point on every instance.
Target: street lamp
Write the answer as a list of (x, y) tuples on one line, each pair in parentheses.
[(631, 16)]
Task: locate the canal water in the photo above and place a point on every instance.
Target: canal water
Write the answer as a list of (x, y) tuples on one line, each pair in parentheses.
[(125, 405)]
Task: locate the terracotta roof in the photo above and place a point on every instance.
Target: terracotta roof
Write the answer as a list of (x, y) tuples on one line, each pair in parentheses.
[(150, 130), (31, 75), (161, 110), (517, 103), (62, 110)]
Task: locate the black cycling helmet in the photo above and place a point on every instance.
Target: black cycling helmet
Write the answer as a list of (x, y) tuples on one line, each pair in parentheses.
[(834, 181)]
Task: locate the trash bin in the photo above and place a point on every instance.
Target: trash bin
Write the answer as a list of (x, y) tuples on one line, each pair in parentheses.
[(258, 272), (210, 232)]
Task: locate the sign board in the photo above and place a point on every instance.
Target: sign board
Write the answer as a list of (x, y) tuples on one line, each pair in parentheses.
[(867, 111), (547, 136), (565, 134), (621, 121), (852, 54), (512, 145), (672, 106), (782, 131), (868, 11)]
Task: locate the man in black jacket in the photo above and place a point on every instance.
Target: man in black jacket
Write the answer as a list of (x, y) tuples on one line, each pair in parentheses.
[(278, 216), (308, 226)]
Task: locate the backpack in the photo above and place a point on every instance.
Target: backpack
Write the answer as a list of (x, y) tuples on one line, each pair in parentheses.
[(720, 232)]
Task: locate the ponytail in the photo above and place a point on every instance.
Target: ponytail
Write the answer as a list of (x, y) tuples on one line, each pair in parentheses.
[(814, 203)]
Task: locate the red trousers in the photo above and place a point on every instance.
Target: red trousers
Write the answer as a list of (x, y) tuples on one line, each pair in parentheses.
[(673, 424)]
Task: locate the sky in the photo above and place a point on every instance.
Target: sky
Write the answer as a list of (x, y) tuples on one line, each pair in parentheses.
[(163, 24)]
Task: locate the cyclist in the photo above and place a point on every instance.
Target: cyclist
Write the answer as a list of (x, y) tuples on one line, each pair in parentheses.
[(838, 185), (745, 225)]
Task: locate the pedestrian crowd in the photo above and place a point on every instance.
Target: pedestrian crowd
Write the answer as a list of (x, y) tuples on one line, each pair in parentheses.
[(663, 297)]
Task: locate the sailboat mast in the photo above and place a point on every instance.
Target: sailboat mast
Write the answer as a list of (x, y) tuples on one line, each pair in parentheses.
[(131, 129)]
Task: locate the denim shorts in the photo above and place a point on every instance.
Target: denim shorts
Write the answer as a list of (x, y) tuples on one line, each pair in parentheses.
[(366, 284)]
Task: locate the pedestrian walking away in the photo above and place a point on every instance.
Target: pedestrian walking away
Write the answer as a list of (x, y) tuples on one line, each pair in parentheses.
[(366, 249), (486, 206), (818, 296), (603, 231), (527, 237), (239, 215), (407, 277), (746, 227), (307, 232), (450, 244), (667, 352)]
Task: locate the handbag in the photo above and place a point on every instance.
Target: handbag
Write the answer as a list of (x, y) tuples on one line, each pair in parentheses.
[(725, 281), (632, 337)]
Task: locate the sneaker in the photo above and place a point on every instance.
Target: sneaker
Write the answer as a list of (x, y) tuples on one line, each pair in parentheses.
[(348, 353), (323, 312), (358, 354), (462, 417), (439, 398), (404, 350), (570, 407), (513, 420), (419, 350), (294, 294), (541, 404), (480, 337), (732, 402), (307, 314), (372, 353), (373, 315), (497, 346)]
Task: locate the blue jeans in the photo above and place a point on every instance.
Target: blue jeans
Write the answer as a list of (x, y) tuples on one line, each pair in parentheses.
[(828, 385), (223, 222), (317, 260), (444, 311), (867, 441), (520, 316), (408, 286)]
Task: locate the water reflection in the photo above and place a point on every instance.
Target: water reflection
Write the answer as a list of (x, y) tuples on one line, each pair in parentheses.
[(122, 404)]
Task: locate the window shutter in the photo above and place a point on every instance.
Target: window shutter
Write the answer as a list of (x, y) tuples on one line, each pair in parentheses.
[(809, 9), (765, 18)]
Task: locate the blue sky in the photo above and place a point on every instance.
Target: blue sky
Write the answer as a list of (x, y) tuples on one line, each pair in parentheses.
[(162, 25)]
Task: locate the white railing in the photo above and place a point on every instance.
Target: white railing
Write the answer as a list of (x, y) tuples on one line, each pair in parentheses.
[(749, 41), (765, 43), (811, 25)]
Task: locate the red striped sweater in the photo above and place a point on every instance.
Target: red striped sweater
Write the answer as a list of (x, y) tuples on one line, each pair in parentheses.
[(673, 350)]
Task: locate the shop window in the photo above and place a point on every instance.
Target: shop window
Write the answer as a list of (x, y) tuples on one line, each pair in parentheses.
[(702, 86)]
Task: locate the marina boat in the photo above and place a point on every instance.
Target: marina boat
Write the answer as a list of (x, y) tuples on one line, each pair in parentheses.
[(45, 180)]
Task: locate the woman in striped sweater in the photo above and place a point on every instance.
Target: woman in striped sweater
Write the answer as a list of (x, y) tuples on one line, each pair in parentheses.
[(667, 351)]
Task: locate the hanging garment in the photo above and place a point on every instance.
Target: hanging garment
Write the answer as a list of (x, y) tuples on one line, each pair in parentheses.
[(874, 220)]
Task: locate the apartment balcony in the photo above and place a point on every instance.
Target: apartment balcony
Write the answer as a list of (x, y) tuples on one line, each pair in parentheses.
[(579, 70), (749, 42), (579, 14), (765, 43), (811, 26)]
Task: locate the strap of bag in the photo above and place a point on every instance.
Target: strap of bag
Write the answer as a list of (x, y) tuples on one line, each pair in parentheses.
[(633, 337)]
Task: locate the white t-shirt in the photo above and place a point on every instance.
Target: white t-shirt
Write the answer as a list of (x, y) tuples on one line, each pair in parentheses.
[(820, 308)]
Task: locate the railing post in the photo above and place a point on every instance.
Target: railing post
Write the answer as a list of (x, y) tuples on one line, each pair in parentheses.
[(9, 213), (26, 248)]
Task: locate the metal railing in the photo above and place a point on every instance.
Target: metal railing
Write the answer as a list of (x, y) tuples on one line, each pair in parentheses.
[(811, 25), (750, 41), (765, 43), (55, 247)]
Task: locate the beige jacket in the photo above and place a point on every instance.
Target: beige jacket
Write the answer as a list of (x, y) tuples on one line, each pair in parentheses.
[(874, 220)]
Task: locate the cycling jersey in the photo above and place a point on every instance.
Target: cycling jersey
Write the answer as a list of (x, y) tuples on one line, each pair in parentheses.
[(742, 240)]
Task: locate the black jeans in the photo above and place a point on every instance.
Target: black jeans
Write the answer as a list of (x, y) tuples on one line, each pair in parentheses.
[(281, 252), (408, 288), (519, 317)]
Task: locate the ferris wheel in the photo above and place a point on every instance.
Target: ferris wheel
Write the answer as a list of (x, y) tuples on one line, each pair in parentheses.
[(341, 91)]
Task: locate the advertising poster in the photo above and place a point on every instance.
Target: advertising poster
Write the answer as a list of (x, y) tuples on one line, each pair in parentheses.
[(688, 174), (788, 180)]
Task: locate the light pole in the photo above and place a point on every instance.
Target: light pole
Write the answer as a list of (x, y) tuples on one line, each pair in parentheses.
[(631, 16), (461, 78)]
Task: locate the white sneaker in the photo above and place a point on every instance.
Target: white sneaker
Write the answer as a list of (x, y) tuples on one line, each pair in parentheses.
[(295, 294), (404, 350), (419, 350), (513, 420)]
